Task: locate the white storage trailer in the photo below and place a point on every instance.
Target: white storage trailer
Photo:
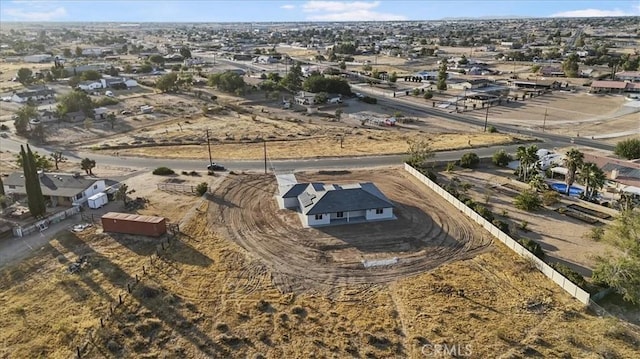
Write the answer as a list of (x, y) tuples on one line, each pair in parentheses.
[(98, 200)]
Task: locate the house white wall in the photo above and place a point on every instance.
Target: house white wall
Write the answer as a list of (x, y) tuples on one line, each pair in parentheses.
[(312, 221), (97, 187), (290, 202), (386, 214)]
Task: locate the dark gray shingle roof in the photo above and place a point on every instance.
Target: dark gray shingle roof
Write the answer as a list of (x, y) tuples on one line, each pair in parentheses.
[(345, 200), (54, 184)]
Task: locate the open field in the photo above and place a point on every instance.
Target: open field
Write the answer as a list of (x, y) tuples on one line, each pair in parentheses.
[(209, 297), (426, 234)]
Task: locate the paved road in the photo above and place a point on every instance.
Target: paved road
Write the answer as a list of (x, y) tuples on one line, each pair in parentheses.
[(238, 165)]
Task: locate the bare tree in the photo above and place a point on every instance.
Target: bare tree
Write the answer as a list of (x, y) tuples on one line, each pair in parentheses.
[(57, 158)]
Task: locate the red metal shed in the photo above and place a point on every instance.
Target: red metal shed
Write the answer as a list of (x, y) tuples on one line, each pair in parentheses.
[(134, 224)]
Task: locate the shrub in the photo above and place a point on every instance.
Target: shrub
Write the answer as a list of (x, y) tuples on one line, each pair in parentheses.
[(629, 149), (370, 100), (163, 171), (492, 129), (484, 212), (575, 277), (450, 166), (105, 101), (524, 226), (4, 127), (501, 158), (528, 200), (502, 225), (595, 234), (549, 197), (202, 188), (532, 246), (469, 160)]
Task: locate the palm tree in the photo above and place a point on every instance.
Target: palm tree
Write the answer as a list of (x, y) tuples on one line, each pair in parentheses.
[(592, 177), (573, 160), (528, 156)]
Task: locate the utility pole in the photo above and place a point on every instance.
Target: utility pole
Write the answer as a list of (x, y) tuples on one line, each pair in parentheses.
[(545, 119), (264, 142), (486, 118), (209, 147)]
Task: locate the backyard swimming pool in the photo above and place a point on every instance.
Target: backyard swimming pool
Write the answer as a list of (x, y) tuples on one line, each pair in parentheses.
[(562, 188)]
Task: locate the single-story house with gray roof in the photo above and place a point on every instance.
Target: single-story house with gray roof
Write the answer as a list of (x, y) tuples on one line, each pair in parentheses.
[(320, 204), (61, 189)]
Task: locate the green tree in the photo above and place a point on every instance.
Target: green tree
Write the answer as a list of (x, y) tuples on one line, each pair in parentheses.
[(528, 157), (41, 161), (75, 101), (293, 80), (25, 76), (227, 81), (145, 68), (501, 158), (570, 65), (527, 200), (35, 198), (442, 76), (622, 271), (629, 149), (78, 51), (469, 160), (23, 116), (419, 152), (185, 52), (156, 59), (57, 157), (38, 133), (537, 183), (573, 160), (319, 83), (393, 77), (592, 177), (111, 118), (88, 165), (66, 52), (91, 75), (202, 188), (535, 68), (168, 82)]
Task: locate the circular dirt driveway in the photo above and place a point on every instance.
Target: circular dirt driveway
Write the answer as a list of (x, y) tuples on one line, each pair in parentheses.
[(428, 231)]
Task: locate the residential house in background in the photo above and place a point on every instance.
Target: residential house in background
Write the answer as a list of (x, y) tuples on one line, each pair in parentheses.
[(60, 189), (633, 76), (33, 95)]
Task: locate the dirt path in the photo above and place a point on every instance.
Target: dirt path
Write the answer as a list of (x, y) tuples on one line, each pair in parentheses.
[(427, 233)]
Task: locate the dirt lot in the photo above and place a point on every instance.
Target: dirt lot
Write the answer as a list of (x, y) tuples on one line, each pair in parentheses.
[(208, 297), (426, 234)]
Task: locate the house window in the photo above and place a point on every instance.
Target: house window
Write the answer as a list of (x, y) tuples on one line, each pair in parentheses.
[(318, 217), (340, 215), (95, 186), (379, 210), (12, 187), (79, 196)]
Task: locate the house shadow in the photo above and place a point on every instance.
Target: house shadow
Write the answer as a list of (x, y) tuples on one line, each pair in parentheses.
[(165, 311), (146, 246), (413, 230)]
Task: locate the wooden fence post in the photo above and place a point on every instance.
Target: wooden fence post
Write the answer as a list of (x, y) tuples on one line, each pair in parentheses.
[(144, 271), (120, 298), (129, 287), (78, 351), (101, 323)]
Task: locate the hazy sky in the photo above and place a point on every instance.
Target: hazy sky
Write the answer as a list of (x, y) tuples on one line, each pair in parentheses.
[(256, 11)]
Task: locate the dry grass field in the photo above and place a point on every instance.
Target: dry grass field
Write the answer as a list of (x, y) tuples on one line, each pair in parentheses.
[(205, 296)]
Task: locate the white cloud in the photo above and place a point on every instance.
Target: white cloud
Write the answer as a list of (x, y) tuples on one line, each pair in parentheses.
[(35, 12), (347, 11), (592, 13), (288, 7)]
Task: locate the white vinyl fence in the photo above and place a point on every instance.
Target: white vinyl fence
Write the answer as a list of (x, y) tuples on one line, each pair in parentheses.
[(43, 224), (575, 291)]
